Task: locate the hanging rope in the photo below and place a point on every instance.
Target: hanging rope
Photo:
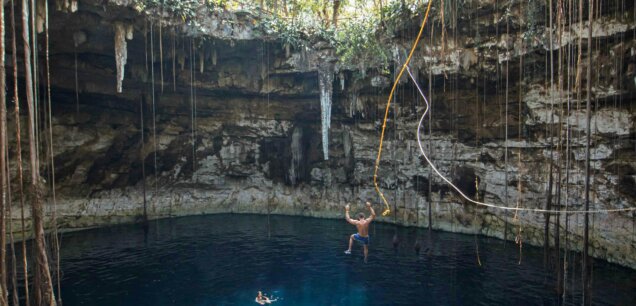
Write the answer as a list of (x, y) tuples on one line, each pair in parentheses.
[(419, 142), (387, 209)]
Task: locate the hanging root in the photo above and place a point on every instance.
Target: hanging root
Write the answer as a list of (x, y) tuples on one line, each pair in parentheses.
[(25, 268), (477, 244), (4, 201), (519, 242), (161, 53), (154, 113), (56, 242), (174, 60)]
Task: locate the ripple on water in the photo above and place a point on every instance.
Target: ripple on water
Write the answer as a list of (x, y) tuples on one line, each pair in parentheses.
[(226, 259)]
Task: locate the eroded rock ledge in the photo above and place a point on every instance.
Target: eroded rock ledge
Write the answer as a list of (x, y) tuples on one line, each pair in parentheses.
[(254, 142)]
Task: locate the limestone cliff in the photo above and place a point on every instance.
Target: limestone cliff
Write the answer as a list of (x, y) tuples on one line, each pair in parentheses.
[(234, 122)]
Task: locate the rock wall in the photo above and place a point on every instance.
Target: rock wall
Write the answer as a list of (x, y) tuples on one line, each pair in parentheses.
[(232, 123)]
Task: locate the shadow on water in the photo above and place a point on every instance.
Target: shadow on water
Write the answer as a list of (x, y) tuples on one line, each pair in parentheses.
[(226, 259)]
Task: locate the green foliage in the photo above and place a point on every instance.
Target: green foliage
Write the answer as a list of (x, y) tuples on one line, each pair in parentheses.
[(396, 12), (358, 41), (185, 9), (289, 33), (358, 37), (534, 19)]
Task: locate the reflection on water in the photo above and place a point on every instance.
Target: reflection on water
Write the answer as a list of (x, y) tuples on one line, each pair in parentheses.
[(227, 259)]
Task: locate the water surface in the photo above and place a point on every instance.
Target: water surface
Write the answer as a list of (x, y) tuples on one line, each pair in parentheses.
[(226, 259)]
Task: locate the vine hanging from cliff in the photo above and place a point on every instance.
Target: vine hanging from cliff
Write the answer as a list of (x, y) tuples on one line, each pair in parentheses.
[(42, 284)]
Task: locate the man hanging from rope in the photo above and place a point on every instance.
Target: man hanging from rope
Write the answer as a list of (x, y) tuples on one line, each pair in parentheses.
[(363, 229)]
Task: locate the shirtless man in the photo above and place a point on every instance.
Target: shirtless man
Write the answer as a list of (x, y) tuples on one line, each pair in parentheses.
[(363, 229)]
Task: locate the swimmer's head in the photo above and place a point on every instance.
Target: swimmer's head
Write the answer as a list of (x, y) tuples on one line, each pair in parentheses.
[(360, 216)]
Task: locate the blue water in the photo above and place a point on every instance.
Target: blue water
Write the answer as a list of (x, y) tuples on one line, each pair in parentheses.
[(226, 259)]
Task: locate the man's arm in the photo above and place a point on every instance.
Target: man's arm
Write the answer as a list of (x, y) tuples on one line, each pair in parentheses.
[(372, 212), (347, 216)]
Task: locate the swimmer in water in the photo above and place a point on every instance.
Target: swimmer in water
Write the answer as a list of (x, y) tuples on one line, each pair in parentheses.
[(262, 299), (363, 229)]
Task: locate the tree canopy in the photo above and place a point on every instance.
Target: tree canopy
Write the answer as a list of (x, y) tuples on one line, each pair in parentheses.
[(353, 27)]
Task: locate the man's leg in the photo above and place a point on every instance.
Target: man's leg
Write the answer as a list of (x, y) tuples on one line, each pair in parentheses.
[(366, 251), (348, 251)]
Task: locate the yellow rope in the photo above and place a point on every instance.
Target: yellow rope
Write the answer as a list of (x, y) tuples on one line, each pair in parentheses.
[(387, 209)]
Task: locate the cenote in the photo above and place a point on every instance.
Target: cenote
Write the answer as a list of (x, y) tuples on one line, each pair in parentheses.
[(226, 259), (168, 143)]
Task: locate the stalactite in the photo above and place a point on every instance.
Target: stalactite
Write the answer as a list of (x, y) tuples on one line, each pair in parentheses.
[(40, 16), (325, 80), (121, 53), (202, 61), (43, 285), (354, 102), (123, 32), (69, 6), (181, 60), (297, 154)]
